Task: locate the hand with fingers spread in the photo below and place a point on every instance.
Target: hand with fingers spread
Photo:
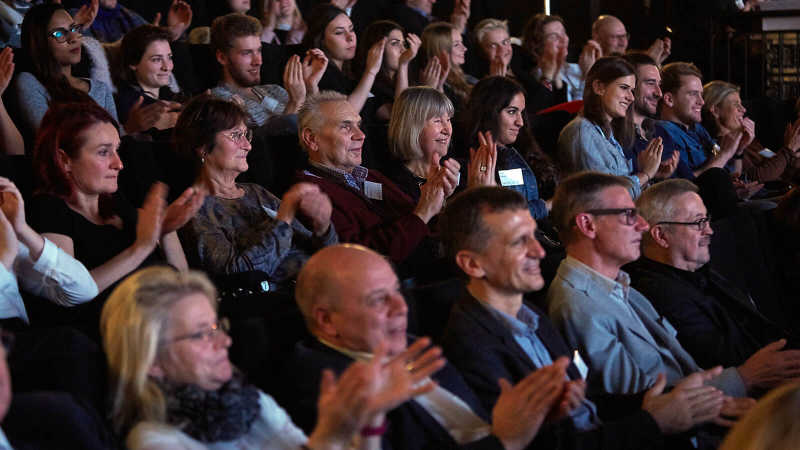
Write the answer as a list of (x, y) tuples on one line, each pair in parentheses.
[(179, 18), (314, 64), (86, 15), (450, 173), (590, 53), (179, 212), (667, 168), (482, 162), (290, 202), (660, 50), (294, 84), (410, 53), (151, 217), (770, 366), (689, 403), (432, 74), (749, 133), (650, 160), (521, 410), (375, 57), (733, 409)]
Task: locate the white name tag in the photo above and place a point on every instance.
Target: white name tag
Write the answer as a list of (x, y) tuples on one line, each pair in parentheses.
[(511, 177), (579, 364), (373, 191)]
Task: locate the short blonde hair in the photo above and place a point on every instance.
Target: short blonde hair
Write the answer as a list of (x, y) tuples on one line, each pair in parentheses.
[(133, 323), (487, 25), (771, 424), (410, 111)]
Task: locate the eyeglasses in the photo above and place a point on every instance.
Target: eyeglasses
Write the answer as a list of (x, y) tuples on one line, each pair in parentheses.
[(555, 37), (60, 34), (699, 223), (237, 136), (207, 335), (630, 214)]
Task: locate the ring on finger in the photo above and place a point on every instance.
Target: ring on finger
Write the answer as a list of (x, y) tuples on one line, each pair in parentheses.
[(483, 168)]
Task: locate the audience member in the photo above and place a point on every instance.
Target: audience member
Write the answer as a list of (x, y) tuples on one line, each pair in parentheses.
[(40, 267), (146, 85), (11, 142), (242, 226), (496, 112), (627, 343), (235, 39), (283, 23), (419, 139), (77, 169), (610, 33), (113, 20), (172, 384), (443, 53), (351, 301), (723, 113), (770, 425), (494, 44), (415, 15), (493, 334), (51, 42), (368, 208), (717, 323), (595, 139)]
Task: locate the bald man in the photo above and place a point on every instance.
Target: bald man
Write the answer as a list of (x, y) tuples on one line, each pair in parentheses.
[(350, 299), (610, 33)]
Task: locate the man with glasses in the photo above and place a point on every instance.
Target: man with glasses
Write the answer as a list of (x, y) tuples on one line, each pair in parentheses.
[(717, 323), (627, 343), (610, 33)]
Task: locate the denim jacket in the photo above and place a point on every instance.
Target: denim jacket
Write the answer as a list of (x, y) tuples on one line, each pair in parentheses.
[(508, 158)]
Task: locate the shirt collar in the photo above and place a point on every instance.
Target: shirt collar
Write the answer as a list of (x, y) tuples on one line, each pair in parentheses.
[(358, 172), (525, 323), (622, 283)]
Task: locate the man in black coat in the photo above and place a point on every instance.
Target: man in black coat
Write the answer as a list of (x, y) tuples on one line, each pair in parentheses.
[(717, 323), (490, 234)]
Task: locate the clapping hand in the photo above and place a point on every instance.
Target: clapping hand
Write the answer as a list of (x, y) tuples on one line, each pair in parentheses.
[(482, 162), (314, 64), (413, 47)]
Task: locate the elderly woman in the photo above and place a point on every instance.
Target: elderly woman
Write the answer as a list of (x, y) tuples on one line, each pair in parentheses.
[(419, 138), (723, 114), (242, 227), (77, 209), (173, 386)]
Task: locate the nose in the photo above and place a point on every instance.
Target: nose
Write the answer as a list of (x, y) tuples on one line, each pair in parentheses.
[(116, 162), (222, 340), (398, 305), (257, 58), (658, 92), (535, 249), (641, 224), (351, 36), (707, 229), (358, 135), (447, 128), (518, 121)]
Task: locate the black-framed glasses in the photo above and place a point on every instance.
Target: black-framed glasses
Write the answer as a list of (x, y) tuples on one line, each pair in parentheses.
[(207, 335), (699, 223), (60, 34), (237, 136), (630, 214)]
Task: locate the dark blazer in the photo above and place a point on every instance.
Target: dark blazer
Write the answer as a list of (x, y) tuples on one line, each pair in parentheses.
[(484, 350), (716, 322), (410, 426)]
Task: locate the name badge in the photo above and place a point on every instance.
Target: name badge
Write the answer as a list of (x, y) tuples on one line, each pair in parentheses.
[(511, 177), (579, 364), (373, 191)]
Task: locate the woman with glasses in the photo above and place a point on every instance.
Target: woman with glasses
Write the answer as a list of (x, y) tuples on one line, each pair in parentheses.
[(51, 46), (173, 386), (240, 226)]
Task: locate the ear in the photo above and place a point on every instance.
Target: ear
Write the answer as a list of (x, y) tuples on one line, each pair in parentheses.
[(222, 59), (668, 99), (585, 224), (133, 68), (714, 111), (323, 322), (599, 87), (468, 262), (309, 139), (202, 152), (64, 161), (659, 236)]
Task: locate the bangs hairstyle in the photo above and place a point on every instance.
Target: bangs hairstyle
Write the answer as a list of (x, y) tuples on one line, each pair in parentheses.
[(318, 20), (714, 93), (410, 112), (533, 33), (225, 29), (64, 127), (201, 119), (605, 71), (133, 47), (372, 34), (133, 324)]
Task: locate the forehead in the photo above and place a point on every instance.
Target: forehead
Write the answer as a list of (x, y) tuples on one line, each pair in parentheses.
[(614, 27), (733, 97), (395, 34), (374, 275), (496, 35), (157, 47), (246, 43), (690, 204), (338, 112), (340, 21), (456, 36), (505, 225), (60, 18), (191, 312), (517, 101), (691, 83), (630, 80), (648, 72), (553, 27), (102, 133), (615, 197)]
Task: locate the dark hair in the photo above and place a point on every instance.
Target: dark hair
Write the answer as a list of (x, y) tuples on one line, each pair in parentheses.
[(606, 70), (373, 33), (201, 119), (672, 74), (40, 60), (639, 58), (461, 222), (225, 29), (63, 128), (578, 193), (319, 18), (533, 33), (133, 47)]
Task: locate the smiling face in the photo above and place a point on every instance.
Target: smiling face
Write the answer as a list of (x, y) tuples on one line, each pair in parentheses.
[(648, 90), (497, 42), (731, 112), (66, 53), (434, 140), (687, 103), (196, 360), (458, 50), (510, 120), (555, 40), (616, 96), (338, 141), (227, 155), (616, 242), (242, 62), (340, 39), (613, 37), (155, 67), (95, 168), (689, 247), (395, 46)]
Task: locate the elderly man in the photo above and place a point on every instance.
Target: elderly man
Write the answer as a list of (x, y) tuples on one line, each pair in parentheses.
[(627, 342), (350, 299), (492, 333), (610, 33), (716, 322), (368, 208)]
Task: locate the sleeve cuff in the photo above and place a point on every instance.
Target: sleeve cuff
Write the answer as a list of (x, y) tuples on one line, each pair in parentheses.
[(47, 259)]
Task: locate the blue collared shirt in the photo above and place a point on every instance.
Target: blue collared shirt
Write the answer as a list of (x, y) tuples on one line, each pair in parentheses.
[(694, 143), (523, 329)]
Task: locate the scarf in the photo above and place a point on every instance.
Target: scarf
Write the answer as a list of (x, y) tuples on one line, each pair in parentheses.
[(210, 416)]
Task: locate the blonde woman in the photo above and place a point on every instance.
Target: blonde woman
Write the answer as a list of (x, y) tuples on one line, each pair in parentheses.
[(771, 424), (442, 55)]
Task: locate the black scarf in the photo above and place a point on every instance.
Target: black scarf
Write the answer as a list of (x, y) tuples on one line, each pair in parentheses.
[(211, 416)]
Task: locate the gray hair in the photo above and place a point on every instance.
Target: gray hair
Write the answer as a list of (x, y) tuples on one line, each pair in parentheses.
[(410, 112), (487, 25), (657, 203), (309, 115)]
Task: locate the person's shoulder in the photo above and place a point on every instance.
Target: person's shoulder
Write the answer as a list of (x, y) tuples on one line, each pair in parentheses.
[(156, 435), (28, 80)]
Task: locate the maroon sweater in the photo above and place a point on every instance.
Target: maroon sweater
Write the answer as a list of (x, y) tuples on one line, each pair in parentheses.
[(388, 226)]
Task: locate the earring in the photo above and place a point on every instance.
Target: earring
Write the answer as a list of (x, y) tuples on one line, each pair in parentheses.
[(203, 158)]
